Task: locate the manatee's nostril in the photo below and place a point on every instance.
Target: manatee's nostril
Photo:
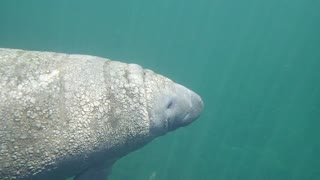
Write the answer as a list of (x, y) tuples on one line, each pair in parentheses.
[(197, 106)]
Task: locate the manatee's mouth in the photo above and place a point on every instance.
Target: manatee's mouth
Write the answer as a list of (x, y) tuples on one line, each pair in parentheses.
[(173, 124)]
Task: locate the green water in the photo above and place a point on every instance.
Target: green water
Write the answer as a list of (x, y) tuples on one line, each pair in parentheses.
[(256, 64)]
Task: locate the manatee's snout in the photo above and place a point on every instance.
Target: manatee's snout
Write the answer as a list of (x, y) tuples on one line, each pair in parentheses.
[(185, 108), (196, 107), (170, 105)]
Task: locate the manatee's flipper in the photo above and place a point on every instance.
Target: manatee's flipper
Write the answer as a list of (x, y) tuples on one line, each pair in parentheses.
[(96, 173)]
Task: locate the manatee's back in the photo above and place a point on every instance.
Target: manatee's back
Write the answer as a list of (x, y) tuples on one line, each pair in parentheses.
[(24, 120), (61, 114), (39, 130)]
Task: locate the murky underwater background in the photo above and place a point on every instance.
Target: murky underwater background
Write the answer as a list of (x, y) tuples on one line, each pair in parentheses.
[(256, 64)]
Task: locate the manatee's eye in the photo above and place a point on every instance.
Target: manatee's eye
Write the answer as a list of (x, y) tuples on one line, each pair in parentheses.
[(169, 105)]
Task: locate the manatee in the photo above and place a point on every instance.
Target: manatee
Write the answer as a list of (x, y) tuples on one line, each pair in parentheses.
[(64, 115)]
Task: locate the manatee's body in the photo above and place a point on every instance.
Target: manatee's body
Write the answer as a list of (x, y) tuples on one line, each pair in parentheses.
[(63, 115)]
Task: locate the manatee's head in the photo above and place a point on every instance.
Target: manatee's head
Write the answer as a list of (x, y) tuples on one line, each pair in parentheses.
[(170, 105)]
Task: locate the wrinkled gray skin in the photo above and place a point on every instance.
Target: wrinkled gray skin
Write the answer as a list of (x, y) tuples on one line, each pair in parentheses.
[(63, 115)]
